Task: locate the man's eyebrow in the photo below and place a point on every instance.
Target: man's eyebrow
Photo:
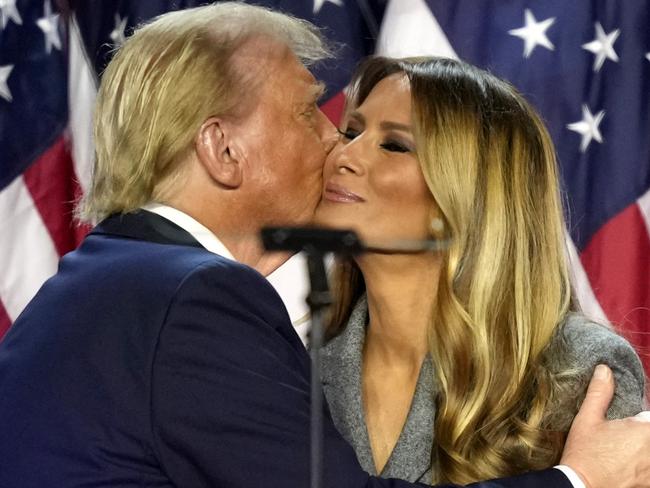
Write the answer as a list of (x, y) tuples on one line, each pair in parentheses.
[(318, 90)]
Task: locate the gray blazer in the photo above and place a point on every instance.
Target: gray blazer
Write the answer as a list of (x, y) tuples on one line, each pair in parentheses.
[(588, 344)]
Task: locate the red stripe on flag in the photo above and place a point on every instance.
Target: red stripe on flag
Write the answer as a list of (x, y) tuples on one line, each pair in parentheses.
[(333, 108), (617, 261), (54, 187), (5, 321)]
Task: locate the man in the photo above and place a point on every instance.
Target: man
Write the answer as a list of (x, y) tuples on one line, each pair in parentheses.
[(159, 355)]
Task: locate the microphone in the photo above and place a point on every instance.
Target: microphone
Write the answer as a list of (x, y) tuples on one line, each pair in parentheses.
[(311, 240), (318, 240)]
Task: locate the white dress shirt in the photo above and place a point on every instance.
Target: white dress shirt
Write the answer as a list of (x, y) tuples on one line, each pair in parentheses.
[(200, 232)]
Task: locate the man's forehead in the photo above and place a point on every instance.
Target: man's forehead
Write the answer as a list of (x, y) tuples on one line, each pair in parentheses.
[(301, 77), (277, 74), (293, 68), (290, 75)]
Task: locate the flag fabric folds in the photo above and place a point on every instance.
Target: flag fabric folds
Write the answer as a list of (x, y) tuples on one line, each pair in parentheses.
[(38, 182)]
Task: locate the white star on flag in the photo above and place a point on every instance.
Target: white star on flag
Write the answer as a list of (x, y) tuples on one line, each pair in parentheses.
[(117, 35), (8, 11), (534, 33), (49, 24), (588, 127), (603, 46), (318, 4), (647, 56), (5, 71)]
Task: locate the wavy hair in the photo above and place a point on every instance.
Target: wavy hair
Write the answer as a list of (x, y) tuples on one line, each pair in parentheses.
[(163, 83), (505, 400)]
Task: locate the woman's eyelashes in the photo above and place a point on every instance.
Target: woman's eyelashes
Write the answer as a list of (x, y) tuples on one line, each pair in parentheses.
[(395, 146), (390, 144)]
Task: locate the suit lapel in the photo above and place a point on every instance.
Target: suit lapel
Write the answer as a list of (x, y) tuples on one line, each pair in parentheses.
[(146, 226)]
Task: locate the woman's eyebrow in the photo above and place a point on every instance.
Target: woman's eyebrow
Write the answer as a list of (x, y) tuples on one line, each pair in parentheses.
[(389, 125), (384, 125)]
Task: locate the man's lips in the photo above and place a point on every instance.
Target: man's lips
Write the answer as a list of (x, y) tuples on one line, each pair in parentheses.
[(338, 193)]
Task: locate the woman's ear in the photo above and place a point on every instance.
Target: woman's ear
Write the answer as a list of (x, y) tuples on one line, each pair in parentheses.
[(213, 150)]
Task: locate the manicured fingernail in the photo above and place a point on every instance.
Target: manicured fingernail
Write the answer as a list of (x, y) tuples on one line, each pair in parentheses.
[(602, 372)]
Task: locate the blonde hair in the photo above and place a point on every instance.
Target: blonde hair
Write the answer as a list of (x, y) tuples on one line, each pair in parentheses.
[(163, 83), (503, 402)]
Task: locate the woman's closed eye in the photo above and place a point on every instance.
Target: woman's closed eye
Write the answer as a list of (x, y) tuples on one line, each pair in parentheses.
[(395, 146)]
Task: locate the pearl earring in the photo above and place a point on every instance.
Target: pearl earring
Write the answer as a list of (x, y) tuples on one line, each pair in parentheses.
[(437, 225)]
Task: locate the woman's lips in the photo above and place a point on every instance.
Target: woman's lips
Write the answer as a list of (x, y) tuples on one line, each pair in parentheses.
[(337, 193)]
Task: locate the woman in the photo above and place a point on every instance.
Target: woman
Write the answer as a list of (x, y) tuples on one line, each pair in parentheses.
[(468, 363)]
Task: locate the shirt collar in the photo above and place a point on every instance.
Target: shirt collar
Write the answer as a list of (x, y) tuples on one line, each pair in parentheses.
[(200, 232)]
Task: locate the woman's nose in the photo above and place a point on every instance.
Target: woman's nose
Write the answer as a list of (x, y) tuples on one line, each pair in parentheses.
[(347, 157)]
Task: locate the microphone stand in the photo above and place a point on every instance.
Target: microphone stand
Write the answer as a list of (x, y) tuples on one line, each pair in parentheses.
[(319, 299), (316, 243)]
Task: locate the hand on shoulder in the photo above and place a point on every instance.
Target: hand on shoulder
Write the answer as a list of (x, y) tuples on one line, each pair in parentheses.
[(607, 453)]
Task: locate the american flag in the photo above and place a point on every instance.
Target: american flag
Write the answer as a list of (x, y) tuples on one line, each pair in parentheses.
[(584, 64)]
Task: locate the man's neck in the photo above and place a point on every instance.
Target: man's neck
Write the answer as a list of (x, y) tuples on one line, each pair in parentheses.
[(247, 249), (241, 241)]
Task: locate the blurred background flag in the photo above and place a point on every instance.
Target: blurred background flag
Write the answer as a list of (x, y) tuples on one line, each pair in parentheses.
[(38, 178), (585, 65)]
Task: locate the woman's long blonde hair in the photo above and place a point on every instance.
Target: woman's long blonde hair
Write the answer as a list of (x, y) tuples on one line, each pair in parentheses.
[(504, 286)]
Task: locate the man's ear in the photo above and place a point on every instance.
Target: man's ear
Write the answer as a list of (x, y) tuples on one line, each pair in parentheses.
[(215, 154)]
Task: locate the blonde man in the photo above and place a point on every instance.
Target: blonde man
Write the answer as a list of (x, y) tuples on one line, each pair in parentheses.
[(159, 355)]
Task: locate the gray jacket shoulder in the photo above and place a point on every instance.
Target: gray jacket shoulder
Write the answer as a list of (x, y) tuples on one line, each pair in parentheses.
[(587, 344)]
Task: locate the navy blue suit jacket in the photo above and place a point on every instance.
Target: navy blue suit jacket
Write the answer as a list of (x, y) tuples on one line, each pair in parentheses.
[(148, 361)]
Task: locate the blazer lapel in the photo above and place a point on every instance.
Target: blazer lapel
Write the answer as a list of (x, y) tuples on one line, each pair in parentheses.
[(411, 456), (146, 226), (342, 383), (341, 377)]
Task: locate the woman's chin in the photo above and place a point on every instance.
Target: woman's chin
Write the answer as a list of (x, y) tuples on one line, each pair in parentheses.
[(322, 216), (329, 218)]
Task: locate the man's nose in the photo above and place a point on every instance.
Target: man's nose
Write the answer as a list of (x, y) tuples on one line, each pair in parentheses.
[(329, 134)]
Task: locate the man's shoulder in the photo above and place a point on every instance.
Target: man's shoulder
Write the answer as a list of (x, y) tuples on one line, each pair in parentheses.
[(230, 284), (193, 282), (144, 259)]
